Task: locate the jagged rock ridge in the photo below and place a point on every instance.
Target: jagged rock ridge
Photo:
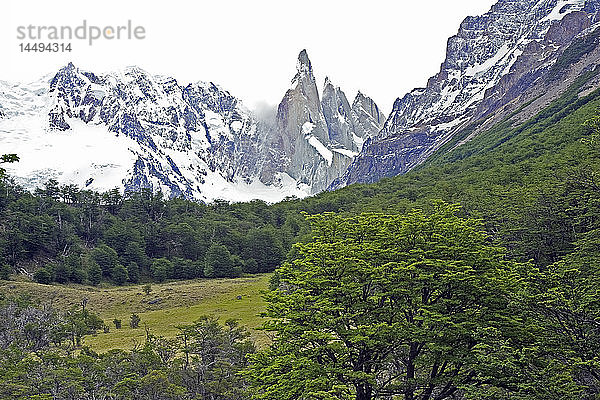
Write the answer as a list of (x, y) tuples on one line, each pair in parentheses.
[(492, 61), (316, 139), (133, 130)]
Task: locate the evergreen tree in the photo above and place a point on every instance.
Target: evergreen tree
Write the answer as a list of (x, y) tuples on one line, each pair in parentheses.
[(94, 273), (119, 274), (219, 263)]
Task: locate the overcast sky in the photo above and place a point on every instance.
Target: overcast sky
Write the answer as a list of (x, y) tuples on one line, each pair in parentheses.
[(382, 47)]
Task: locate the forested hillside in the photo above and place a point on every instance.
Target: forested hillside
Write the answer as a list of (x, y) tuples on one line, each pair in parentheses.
[(488, 291), (533, 184)]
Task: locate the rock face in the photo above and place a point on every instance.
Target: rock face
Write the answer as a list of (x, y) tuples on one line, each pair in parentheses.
[(316, 139), (493, 60), (367, 119), (338, 116), (181, 133), (133, 130)]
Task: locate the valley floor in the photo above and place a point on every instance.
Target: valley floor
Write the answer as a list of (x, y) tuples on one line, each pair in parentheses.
[(175, 303)]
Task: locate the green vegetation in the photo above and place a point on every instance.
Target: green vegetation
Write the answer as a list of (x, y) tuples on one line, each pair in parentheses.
[(62, 234), (203, 361), (180, 303), (393, 292), (579, 48), (402, 297)]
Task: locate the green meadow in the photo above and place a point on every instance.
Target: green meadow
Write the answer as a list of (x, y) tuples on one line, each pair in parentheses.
[(167, 306)]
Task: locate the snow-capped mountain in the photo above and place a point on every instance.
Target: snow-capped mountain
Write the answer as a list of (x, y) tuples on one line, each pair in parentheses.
[(315, 139), (133, 130), (506, 54)]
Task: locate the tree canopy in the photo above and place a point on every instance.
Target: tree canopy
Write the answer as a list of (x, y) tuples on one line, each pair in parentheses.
[(384, 305)]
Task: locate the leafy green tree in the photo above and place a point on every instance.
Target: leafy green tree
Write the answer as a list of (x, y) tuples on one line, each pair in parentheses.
[(154, 385), (42, 275), (161, 269), (250, 266), (78, 275), (182, 241), (62, 272), (80, 322), (134, 252), (219, 263), (377, 306), (213, 357), (106, 258), (5, 271), (567, 306), (74, 266), (119, 274), (94, 273), (180, 268), (265, 247), (133, 272)]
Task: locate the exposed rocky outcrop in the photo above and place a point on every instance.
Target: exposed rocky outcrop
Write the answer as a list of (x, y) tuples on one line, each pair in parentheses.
[(315, 139), (338, 116), (200, 125), (192, 140), (367, 119), (492, 61)]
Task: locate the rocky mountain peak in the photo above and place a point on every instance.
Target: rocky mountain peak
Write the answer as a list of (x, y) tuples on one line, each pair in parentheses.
[(135, 130), (367, 119), (315, 138), (304, 71), (337, 113), (304, 64), (492, 59)]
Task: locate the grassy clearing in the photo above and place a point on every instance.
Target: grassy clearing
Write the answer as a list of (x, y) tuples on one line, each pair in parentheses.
[(180, 302)]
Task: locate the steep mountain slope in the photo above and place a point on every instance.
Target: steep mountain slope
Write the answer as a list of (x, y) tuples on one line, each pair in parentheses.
[(367, 119), (495, 63), (133, 130), (316, 139)]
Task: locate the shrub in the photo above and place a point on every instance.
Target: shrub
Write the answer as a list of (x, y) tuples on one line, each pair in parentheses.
[(43, 276), (134, 322), (5, 271)]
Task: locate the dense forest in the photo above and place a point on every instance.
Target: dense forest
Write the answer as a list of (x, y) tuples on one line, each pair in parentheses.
[(534, 186), (475, 276)]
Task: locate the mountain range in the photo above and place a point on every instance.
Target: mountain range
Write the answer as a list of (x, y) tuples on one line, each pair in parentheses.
[(132, 130)]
